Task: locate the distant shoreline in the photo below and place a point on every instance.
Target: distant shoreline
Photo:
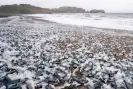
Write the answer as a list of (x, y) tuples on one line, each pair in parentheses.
[(31, 9)]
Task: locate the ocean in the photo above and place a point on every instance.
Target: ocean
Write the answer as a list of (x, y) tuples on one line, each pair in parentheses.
[(122, 21)]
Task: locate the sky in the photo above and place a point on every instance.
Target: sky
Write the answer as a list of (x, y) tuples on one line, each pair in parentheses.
[(107, 5)]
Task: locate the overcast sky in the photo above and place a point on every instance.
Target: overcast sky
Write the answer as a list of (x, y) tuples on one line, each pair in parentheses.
[(107, 5)]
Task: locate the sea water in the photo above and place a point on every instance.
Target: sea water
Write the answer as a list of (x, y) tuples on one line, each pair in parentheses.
[(122, 21)]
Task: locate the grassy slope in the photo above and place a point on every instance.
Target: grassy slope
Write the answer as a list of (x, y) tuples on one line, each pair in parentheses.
[(22, 9)]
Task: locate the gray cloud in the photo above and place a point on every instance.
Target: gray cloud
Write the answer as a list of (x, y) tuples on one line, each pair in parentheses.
[(108, 5)]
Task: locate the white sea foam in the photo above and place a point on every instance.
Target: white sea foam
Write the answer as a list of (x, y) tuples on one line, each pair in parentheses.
[(114, 21)]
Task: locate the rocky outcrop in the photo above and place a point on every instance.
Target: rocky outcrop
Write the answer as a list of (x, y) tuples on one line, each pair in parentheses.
[(68, 10), (97, 11)]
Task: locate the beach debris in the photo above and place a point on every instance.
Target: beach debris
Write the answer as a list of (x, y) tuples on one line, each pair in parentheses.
[(43, 55)]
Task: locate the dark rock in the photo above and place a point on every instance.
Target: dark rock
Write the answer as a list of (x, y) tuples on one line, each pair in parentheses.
[(97, 11)]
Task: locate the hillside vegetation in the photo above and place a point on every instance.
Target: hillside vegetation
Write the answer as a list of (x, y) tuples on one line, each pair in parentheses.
[(22, 9), (69, 10), (9, 10)]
